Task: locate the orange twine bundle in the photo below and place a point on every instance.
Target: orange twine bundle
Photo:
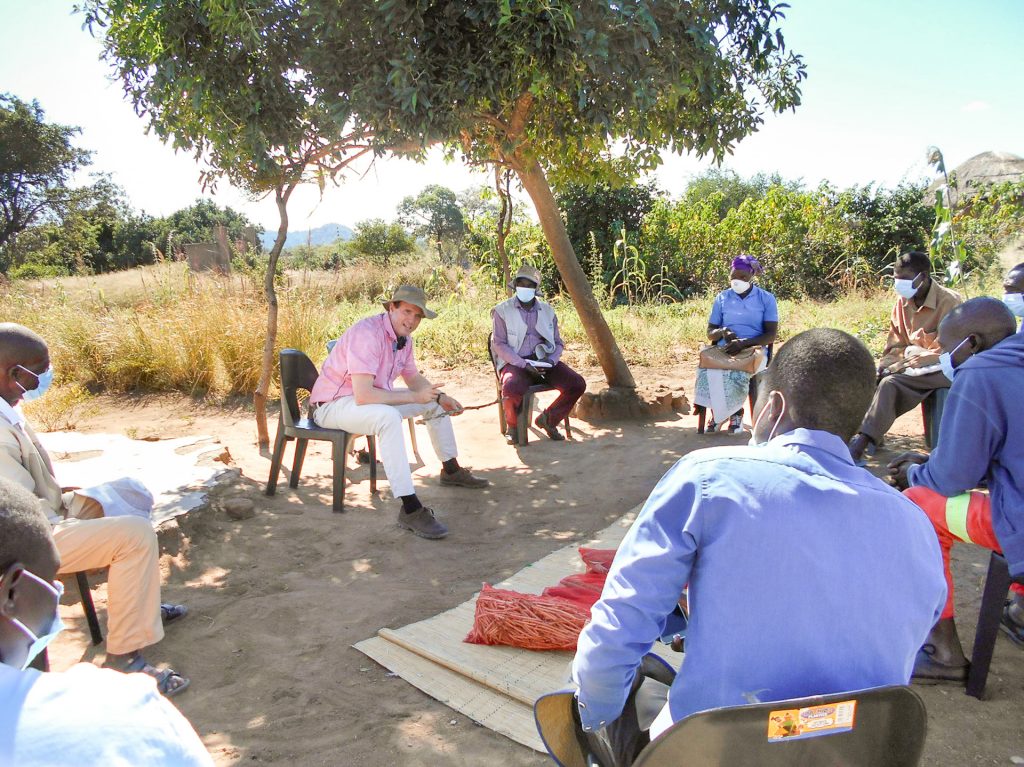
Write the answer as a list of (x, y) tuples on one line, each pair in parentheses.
[(529, 621)]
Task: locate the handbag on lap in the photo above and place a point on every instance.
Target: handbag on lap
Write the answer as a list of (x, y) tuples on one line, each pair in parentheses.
[(747, 361)]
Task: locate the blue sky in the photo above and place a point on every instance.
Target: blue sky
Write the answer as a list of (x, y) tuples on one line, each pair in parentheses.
[(886, 79)]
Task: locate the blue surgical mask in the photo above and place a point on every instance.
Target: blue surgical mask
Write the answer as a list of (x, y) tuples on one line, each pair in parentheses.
[(526, 295), (1015, 303), (43, 381), (41, 641), (946, 361), (906, 288)]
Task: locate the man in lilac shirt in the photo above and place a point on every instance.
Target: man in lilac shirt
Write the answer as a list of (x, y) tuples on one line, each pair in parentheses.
[(527, 349), (806, 575), (355, 392)]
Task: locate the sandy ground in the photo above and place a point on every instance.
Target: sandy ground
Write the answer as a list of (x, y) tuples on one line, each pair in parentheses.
[(277, 600)]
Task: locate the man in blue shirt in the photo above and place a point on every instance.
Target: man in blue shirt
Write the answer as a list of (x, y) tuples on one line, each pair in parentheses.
[(806, 575)]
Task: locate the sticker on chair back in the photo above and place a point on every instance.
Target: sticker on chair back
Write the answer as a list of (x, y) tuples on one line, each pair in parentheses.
[(810, 722)]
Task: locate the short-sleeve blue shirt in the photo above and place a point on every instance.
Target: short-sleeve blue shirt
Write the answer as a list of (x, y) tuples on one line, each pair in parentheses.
[(745, 316)]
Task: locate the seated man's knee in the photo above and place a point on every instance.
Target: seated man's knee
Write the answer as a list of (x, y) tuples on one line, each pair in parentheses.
[(136, 532), (577, 384), (513, 385), (388, 420), (933, 504)]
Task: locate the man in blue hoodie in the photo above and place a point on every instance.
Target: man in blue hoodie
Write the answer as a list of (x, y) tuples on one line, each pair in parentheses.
[(984, 358)]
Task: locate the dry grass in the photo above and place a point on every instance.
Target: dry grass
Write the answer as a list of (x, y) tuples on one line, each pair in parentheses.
[(162, 329)]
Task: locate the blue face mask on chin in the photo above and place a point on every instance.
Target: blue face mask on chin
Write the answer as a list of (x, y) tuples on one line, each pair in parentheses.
[(43, 381), (39, 642)]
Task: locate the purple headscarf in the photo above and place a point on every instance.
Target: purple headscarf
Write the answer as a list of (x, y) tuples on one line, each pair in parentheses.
[(747, 264)]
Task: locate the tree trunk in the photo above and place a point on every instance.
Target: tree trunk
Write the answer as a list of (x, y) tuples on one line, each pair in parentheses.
[(532, 177), (504, 225), (259, 399)]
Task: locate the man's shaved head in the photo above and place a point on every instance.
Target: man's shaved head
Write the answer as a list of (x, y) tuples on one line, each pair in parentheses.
[(25, 532), (827, 377), (985, 318), (18, 344)]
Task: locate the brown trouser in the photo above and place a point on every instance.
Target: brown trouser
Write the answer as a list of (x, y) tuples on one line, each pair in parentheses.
[(128, 546), (895, 395)]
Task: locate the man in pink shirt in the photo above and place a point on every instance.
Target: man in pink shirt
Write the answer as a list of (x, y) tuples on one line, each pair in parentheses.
[(355, 392)]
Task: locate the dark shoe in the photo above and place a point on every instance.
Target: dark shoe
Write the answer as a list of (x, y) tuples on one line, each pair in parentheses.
[(736, 422), (168, 681), (422, 523), (1010, 627), (927, 670), (552, 431), (462, 478), (170, 613), (511, 435)]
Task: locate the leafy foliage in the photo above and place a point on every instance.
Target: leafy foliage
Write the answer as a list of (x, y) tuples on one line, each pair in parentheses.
[(816, 243), (379, 241), (595, 216), (37, 161), (434, 213)]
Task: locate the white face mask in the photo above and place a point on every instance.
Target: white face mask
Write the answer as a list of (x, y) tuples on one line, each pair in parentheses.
[(39, 642), (739, 286), (1015, 303), (946, 361), (771, 435), (526, 295), (906, 288)]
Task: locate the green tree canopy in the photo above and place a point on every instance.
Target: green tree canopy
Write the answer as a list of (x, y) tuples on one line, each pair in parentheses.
[(549, 88), (380, 241), (434, 213), (37, 161), (543, 87)]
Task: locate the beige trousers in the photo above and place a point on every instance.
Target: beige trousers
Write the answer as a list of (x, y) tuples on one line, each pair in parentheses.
[(128, 546), (895, 395)]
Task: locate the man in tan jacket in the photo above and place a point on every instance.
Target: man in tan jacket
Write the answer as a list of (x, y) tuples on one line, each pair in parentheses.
[(119, 538), (908, 370)]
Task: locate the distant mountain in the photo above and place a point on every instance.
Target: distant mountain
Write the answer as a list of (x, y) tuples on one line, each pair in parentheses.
[(321, 235)]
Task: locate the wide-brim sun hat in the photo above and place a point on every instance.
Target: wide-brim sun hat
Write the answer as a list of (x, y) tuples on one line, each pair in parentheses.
[(410, 294), (527, 271)]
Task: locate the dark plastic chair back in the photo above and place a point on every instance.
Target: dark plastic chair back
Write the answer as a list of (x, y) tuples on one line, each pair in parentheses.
[(889, 728), (490, 353), (297, 372)]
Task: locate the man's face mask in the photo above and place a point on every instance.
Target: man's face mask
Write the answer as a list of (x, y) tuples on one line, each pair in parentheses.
[(1015, 303), (771, 435), (907, 288), (946, 361), (526, 295), (53, 625), (43, 381)]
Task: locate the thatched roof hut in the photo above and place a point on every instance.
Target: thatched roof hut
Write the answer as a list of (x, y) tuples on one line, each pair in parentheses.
[(982, 170)]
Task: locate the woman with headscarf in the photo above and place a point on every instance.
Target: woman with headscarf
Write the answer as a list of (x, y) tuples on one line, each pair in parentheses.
[(743, 316)]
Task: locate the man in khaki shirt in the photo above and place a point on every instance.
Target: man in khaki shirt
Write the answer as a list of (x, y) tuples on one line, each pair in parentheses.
[(908, 370), (125, 544)]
